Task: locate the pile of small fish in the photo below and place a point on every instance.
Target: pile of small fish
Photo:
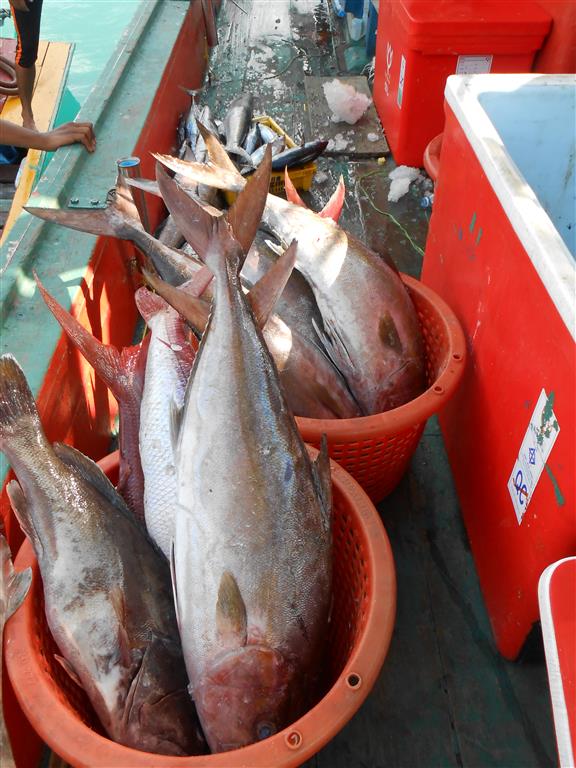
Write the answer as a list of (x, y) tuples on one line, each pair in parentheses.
[(244, 136), (214, 476)]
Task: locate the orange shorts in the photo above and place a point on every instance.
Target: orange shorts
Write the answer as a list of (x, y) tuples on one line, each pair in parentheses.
[(27, 25)]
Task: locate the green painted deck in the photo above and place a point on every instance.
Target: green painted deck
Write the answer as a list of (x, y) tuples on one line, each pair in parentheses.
[(444, 697)]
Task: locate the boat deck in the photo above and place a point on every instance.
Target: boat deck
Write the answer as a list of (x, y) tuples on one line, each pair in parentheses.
[(445, 697), (51, 71)]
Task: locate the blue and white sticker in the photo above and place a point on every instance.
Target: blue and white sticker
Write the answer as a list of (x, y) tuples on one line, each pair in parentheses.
[(538, 442), (401, 81)]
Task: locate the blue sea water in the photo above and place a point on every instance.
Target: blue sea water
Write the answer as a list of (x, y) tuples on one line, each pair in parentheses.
[(95, 26)]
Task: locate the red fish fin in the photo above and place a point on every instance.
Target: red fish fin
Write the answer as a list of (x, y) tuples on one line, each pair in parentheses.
[(333, 207), (70, 671), (103, 358), (193, 310), (264, 295), (148, 303), (291, 195), (231, 619), (245, 214)]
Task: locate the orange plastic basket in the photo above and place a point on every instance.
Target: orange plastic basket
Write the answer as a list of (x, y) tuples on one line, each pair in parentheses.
[(376, 450), (362, 622)]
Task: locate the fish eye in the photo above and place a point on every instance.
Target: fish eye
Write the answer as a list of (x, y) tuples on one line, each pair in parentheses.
[(265, 730)]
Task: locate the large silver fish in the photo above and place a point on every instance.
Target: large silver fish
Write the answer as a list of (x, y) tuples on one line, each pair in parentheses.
[(15, 587), (107, 591), (251, 563), (372, 329)]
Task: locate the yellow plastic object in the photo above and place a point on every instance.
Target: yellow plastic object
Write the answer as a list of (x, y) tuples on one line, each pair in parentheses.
[(301, 175)]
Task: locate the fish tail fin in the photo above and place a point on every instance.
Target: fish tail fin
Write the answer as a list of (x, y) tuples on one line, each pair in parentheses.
[(119, 219), (268, 289), (15, 583), (245, 214), (234, 149), (16, 399)]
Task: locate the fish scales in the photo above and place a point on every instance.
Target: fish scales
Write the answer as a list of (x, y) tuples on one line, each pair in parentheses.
[(107, 592), (248, 506)]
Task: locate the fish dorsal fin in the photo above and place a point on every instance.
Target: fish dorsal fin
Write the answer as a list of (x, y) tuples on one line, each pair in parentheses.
[(245, 214), (91, 473), (324, 480), (333, 207), (216, 150), (105, 359), (195, 311), (195, 223), (266, 292), (291, 195), (231, 618), (15, 584), (69, 669)]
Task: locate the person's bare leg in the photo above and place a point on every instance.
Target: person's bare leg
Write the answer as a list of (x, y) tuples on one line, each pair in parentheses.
[(25, 77)]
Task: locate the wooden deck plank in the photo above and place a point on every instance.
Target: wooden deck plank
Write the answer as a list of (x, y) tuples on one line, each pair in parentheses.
[(511, 731)]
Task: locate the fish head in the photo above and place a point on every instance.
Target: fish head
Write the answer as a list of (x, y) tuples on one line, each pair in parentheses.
[(244, 696)]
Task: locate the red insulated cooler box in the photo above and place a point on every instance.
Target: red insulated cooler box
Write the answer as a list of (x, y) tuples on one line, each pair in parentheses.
[(420, 43), (501, 251)]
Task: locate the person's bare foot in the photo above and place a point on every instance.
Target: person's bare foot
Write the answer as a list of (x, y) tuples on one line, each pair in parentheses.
[(28, 122)]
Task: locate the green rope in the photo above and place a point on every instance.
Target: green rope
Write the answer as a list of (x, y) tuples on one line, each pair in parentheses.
[(394, 220)]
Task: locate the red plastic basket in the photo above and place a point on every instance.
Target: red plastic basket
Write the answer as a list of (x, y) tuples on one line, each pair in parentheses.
[(362, 622), (376, 449)]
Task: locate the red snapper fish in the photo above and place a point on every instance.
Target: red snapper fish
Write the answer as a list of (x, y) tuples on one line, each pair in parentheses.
[(372, 329)]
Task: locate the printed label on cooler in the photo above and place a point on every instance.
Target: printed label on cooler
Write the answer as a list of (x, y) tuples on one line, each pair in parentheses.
[(388, 73), (539, 440), (401, 81), (473, 65)]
